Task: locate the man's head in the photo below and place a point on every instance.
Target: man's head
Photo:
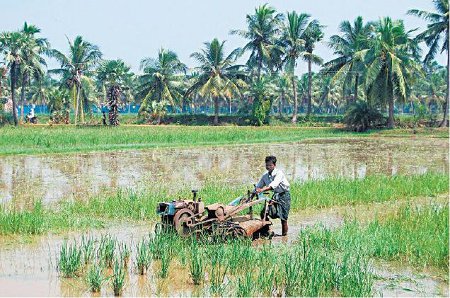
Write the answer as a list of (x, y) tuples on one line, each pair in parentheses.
[(271, 163)]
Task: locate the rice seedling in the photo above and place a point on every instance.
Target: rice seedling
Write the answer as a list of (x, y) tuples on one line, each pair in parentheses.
[(143, 257), (31, 140), (166, 258), (106, 250), (134, 205), (197, 264), (125, 253), (87, 248), (354, 276), (268, 280), (416, 235), (95, 278), (118, 277), (291, 275), (245, 285), (240, 255), (69, 262), (23, 221), (218, 269)]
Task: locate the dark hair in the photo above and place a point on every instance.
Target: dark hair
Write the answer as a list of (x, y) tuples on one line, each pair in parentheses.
[(271, 159)]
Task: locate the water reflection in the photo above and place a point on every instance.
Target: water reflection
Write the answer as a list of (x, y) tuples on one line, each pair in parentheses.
[(52, 177)]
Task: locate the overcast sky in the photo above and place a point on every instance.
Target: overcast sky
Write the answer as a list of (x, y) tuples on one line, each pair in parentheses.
[(134, 29)]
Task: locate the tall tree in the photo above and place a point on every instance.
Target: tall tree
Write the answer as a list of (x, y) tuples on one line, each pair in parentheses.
[(218, 75), (294, 44), (33, 62), (162, 81), (11, 44), (282, 85), (437, 30), (348, 47), (263, 28), (391, 64), (312, 35), (114, 75), (80, 61)]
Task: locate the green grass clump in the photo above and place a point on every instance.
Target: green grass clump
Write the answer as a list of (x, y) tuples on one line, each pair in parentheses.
[(197, 263), (245, 285), (416, 235), (22, 221), (95, 278), (118, 277), (218, 268), (376, 188), (143, 258), (44, 139), (69, 262), (140, 205), (87, 249), (107, 249)]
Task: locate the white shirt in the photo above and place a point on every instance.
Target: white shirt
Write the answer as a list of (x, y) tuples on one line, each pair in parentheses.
[(277, 180)]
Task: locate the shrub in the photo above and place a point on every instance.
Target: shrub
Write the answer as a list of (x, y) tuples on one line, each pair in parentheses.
[(360, 116)]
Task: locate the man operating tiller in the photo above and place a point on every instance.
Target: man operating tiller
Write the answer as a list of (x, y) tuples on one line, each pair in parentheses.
[(276, 181)]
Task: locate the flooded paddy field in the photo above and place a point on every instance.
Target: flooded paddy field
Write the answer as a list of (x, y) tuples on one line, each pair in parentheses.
[(53, 177), (30, 264)]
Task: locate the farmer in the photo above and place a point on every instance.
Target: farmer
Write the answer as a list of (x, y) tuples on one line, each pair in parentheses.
[(276, 181)]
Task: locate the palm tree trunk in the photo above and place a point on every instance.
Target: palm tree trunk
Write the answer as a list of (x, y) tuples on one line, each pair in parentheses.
[(22, 95), (280, 104), (13, 89), (259, 68), (216, 110), (445, 119), (77, 103), (355, 98), (391, 112), (294, 88), (309, 88)]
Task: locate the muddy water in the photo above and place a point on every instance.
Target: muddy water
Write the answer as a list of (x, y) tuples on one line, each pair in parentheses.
[(52, 177), (28, 265)]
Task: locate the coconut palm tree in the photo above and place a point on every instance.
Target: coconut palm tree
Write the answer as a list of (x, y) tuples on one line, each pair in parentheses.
[(162, 81), (3, 71), (11, 44), (348, 47), (294, 44), (282, 85), (219, 76), (263, 28), (437, 33), (114, 75), (391, 64), (311, 35), (33, 63), (80, 61)]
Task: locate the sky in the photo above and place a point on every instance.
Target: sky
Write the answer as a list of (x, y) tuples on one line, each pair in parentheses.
[(135, 29)]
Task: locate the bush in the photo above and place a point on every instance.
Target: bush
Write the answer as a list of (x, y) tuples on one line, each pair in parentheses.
[(360, 116), (6, 118)]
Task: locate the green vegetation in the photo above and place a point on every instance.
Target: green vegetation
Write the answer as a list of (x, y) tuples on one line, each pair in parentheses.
[(71, 139), (69, 262), (321, 262), (132, 205), (415, 235), (95, 278), (22, 221), (36, 140), (378, 62), (118, 278), (143, 258), (197, 264)]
